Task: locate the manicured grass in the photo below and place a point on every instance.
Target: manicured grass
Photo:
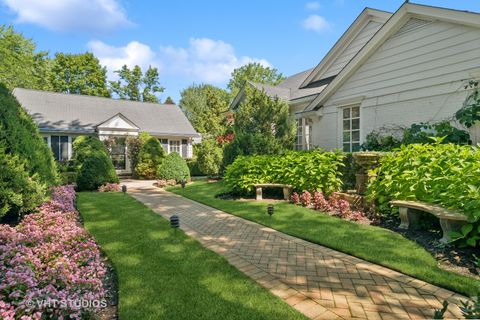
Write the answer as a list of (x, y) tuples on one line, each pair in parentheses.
[(162, 279), (371, 243)]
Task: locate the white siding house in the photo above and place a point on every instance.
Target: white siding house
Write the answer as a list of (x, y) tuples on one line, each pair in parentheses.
[(390, 70)]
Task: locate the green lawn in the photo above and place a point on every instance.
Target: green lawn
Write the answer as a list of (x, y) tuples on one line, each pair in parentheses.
[(371, 243), (162, 279)]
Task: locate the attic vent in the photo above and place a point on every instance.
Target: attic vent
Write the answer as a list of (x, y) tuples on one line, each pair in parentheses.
[(411, 24)]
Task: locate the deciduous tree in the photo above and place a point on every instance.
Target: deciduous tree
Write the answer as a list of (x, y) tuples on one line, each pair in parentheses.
[(205, 106), (136, 85), (20, 64), (79, 74), (254, 72)]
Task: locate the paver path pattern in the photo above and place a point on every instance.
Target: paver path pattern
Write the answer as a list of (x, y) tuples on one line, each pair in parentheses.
[(319, 282)]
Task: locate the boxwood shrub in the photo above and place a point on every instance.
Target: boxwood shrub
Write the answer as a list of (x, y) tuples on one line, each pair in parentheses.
[(174, 167), (150, 156), (93, 163), (304, 170), (96, 170)]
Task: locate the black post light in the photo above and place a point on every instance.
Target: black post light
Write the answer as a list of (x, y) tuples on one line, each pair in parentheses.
[(183, 182), (270, 210), (175, 224), (124, 189)]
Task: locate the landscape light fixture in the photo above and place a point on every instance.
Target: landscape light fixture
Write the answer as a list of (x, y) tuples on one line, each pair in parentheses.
[(175, 224), (124, 189), (270, 210)]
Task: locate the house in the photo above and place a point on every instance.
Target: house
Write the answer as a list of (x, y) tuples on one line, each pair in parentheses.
[(387, 70), (63, 117)]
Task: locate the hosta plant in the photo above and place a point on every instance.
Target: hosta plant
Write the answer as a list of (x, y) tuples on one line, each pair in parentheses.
[(304, 170), (444, 174)]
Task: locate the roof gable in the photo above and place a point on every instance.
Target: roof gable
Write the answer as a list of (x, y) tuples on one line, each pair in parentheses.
[(407, 16), (118, 122), (368, 22)]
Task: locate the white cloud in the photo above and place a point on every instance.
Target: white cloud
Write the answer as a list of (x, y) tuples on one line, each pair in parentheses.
[(203, 60), (316, 23), (134, 53), (314, 5), (70, 15)]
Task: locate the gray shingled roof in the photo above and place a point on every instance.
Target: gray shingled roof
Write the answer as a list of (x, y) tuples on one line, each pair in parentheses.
[(289, 89), (77, 113)]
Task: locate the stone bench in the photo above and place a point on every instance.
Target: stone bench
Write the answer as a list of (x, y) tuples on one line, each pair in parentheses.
[(287, 189), (450, 220)]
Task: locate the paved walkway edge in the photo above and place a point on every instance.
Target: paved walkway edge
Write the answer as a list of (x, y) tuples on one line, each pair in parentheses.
[(313, 304)]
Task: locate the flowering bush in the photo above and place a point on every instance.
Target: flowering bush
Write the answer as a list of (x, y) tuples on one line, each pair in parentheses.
[(295, 198), (320, 203), (306, 198), (110, 187), (49, 266), (334, 205)]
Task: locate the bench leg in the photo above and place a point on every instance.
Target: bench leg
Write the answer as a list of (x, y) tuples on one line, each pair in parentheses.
[(259, 194), (287, 193), (404, 222), (449, 226)]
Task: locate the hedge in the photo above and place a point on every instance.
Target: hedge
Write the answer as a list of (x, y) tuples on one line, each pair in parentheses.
[(304, 170), (174, 167), (22, 138)]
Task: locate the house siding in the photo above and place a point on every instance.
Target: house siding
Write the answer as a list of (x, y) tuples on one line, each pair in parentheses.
[(353, 47), (417, 75)]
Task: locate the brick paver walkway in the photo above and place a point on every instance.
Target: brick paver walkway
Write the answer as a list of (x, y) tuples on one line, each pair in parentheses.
[(319, 282)]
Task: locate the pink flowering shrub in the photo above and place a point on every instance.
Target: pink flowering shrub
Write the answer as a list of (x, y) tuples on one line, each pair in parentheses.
[(110, 187), (49, 257), (306, 198), (334, 205), (295, 198), (320, 203)]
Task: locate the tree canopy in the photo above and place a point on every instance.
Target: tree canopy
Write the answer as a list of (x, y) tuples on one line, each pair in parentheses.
[(254, 72), (20, 65), (204, 105), (169, 100), (262, 126), (136, 85), (79, 74)]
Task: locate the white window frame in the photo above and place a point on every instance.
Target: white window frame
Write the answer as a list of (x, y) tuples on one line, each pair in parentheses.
[(350, 130), (69, 143), (179, 146), (304, 141)]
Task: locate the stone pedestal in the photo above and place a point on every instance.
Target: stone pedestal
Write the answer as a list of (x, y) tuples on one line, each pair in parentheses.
[(367, 161)]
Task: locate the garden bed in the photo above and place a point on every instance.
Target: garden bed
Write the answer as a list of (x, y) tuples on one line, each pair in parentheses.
[(459, 260)]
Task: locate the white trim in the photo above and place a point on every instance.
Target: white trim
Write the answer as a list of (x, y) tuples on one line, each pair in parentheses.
[(360, 22), (402, 15)]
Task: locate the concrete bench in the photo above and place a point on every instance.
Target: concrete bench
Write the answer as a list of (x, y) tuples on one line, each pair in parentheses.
[(287, 189), (450, 220)]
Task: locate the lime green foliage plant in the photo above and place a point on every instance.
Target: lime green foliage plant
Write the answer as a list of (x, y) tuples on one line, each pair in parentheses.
[(443, 174), (304, 170), (174, 167)]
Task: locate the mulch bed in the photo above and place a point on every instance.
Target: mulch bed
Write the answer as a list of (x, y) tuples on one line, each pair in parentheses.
[(111, 286), (459, 260)]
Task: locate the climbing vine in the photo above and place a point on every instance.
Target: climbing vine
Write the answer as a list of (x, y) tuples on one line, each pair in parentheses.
[(469, 114)]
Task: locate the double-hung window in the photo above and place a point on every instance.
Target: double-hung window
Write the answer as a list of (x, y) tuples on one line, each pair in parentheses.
[(175, 146), (59, 145), (304, 134), (351, 128)]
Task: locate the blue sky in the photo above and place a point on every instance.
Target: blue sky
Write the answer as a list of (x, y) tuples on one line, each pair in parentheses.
[(195, 41)]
